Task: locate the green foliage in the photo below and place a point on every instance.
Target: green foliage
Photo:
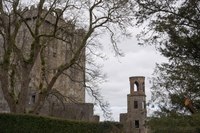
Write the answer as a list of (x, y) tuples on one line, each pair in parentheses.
[(175, 124), (12, 123), (173, 27)]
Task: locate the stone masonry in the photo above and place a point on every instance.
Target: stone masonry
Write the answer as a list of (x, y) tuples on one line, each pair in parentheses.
[(69, 85), (134, 120)]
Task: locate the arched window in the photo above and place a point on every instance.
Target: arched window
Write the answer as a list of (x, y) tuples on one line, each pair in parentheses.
[(136, 86)]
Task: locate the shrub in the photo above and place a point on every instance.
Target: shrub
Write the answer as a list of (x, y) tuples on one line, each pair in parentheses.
[(178, 124), (12, 123)]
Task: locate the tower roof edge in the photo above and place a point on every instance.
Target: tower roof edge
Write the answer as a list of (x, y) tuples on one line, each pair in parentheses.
[(136, 77)]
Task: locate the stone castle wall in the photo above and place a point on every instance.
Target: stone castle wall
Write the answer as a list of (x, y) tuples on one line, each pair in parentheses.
[(69, 86), (57, 53)]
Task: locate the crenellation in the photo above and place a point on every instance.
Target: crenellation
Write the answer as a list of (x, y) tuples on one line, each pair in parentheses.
[(59, 13)]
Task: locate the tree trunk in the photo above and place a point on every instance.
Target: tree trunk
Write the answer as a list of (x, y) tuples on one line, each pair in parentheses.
[(7, 95), (24, 90)]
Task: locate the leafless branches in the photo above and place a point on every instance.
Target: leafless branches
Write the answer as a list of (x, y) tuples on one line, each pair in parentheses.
[(31, 35)]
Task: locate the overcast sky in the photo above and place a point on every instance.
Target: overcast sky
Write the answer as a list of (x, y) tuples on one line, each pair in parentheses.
[(138, 61)]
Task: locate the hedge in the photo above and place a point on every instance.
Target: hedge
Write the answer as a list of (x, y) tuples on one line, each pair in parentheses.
[(175, 124), (12, 123)]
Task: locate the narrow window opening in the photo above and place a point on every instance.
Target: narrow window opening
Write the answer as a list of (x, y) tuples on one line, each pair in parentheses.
[(136, 86), (135, 104), (137, 124), (33, 98)]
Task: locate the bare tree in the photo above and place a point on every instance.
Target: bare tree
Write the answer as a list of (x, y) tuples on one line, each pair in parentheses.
[(76, 24)]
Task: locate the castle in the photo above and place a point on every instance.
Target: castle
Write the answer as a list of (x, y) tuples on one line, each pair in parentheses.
[(67, 98)]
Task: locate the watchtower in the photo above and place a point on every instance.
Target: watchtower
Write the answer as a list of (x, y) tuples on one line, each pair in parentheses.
[(134, 119)]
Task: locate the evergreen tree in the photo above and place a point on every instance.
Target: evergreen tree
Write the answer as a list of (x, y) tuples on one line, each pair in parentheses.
[(174, 28)]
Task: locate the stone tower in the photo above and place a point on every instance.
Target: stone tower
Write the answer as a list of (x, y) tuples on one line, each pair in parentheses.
[(69, 88), (134, 119), (57, 53)]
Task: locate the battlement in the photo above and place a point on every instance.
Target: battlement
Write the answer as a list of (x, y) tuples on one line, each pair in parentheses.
[(33, 10), (51, 16)]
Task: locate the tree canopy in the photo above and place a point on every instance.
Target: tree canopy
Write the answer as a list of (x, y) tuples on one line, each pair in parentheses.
[(173, 26)]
